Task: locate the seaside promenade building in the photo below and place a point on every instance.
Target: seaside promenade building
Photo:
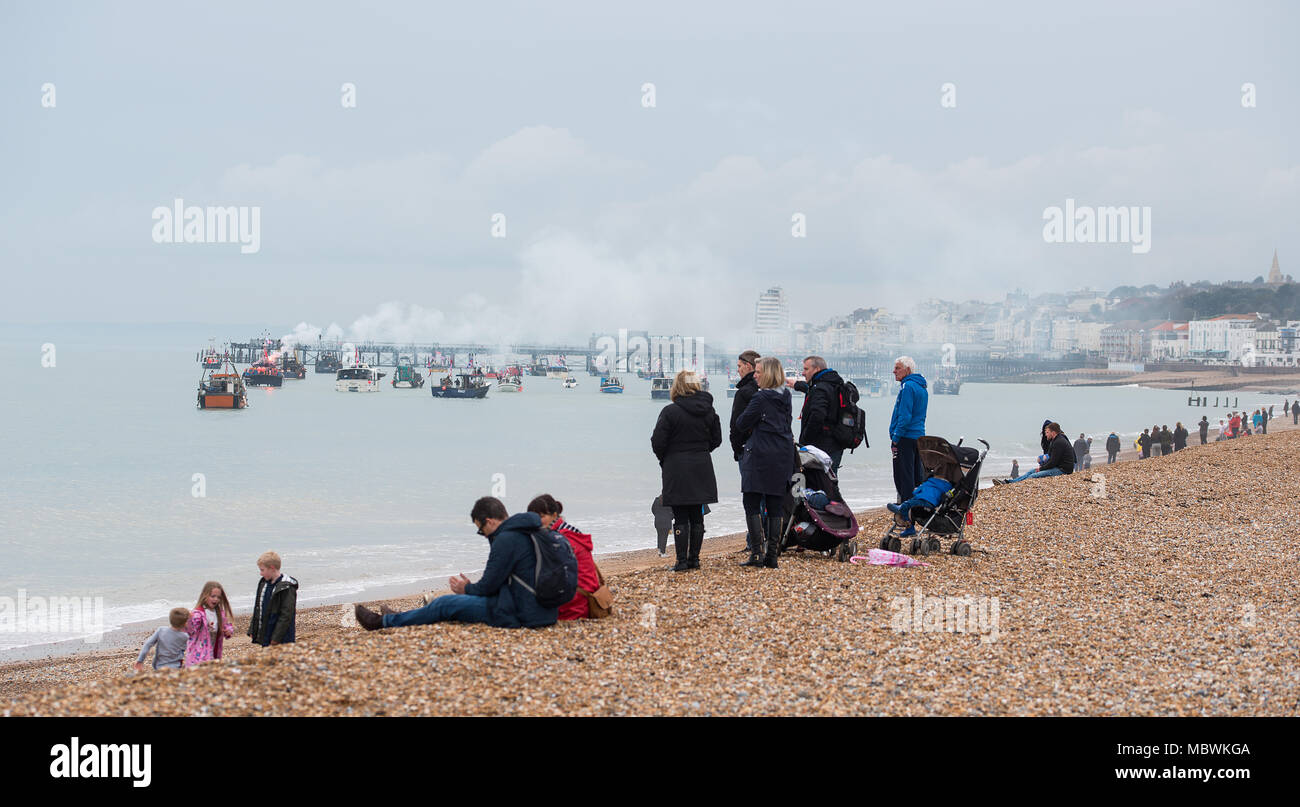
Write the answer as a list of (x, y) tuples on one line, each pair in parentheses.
[(772, 321), (1223, 338)]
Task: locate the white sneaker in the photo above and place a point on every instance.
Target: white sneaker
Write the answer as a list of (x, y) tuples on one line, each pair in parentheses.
[(663, 554)]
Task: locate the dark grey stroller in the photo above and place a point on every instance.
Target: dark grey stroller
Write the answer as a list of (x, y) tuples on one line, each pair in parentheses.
[(960, 466), (829, 527)]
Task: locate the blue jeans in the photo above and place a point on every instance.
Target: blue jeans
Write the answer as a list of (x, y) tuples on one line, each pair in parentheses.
[(447, 608), (1039, 474)]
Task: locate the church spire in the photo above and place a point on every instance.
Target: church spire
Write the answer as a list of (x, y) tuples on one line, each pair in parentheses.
[(1274, 273)]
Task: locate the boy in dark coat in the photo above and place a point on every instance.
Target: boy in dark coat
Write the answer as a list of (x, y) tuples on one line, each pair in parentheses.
[(686, 433), (275, 605)]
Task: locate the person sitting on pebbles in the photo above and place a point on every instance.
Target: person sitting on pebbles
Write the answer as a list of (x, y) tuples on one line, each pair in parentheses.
[(1060, 457), (497, 599)]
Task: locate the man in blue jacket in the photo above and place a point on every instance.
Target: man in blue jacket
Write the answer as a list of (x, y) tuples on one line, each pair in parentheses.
[(495, 599), (907, 424)]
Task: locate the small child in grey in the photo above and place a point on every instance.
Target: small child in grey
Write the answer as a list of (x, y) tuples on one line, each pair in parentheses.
[(168, 641)]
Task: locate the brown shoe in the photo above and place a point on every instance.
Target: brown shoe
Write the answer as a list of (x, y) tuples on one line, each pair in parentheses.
[(368, 619)]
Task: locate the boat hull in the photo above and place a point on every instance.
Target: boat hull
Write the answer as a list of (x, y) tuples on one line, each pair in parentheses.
[(264, 380), (611, 390), (657, 394), (222, 401), (356, 385), (451, 392)]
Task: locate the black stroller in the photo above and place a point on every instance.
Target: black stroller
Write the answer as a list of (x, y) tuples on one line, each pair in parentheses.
[(828, 527), (960, 466)]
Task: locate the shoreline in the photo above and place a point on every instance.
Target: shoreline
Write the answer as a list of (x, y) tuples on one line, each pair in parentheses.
[(34, 667), (1130, 598), (39, 667)]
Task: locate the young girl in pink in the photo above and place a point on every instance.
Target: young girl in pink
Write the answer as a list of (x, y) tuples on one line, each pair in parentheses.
[(210, 623)]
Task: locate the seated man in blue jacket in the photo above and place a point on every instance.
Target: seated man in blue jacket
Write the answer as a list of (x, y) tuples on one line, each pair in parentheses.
[(1060, 457), (494, 599), (928, 494)]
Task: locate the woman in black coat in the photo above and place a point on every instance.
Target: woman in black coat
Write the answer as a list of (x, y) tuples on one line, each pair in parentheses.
[(767, 462), (687, 431)]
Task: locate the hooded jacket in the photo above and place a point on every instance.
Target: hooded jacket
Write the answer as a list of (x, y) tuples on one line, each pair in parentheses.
[(511, 553), (687, 431), (1060, 454), (821, 404), (745, 389), (908, 419), (1112, 443), (588, 577), (769, 452), (277, 624)]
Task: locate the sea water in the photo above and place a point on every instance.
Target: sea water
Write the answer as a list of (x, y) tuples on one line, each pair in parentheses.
[(106, 455)]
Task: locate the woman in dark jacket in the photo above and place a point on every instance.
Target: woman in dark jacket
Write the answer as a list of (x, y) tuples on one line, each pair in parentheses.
[(687, 431), (767, 462)]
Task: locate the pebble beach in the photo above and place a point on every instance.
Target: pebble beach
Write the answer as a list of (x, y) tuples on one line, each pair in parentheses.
[(1166, 588)]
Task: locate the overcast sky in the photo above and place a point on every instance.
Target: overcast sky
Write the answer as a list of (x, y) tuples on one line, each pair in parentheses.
[(671, 218)]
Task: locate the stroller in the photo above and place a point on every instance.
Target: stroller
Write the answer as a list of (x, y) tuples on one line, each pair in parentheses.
[(822, 526), (960, 466)]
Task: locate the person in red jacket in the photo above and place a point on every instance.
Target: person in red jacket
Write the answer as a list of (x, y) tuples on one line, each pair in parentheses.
[(549, 509)]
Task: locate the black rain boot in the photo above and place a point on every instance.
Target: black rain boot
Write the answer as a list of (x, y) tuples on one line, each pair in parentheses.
[(773, 546), (681, 538), (697, 542), (754, 540)]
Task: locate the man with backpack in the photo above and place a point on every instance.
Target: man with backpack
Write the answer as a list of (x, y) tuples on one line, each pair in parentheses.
[(823, 389), (907, 424), (530, 572)]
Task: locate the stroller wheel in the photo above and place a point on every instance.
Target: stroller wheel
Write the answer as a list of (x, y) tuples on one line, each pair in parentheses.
[(917, 546), (933, 544), (893, 543), (961, 549)]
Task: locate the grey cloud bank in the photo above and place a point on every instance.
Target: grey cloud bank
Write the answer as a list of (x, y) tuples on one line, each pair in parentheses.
[(621, 215)]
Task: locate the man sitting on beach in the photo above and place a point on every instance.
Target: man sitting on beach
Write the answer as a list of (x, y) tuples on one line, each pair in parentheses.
[(503, 597), (1060, 457)]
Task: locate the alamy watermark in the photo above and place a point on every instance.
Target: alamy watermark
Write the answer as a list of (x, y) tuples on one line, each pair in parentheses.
[(77, 616), (180, 224), (948, 614), (626, 352), (1080, 224)]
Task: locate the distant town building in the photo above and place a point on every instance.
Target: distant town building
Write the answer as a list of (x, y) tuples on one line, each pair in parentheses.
[(772, 321), (1223, 338), (1275, 272)]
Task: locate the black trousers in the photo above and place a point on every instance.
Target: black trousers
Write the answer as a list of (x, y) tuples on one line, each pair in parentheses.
[(688, 513), (754, 504)]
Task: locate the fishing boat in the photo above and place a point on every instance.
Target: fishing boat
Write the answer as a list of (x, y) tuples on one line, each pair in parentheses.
[(209, 357), (328, 362), (869, 387), (222, 390), (357, 377), (538, 370), (292, 367), (570, 383), (947, 382), (264, 373), (661, 387), (557, 371), (462, 386), (510, 384), (611, 384), (405, 377)]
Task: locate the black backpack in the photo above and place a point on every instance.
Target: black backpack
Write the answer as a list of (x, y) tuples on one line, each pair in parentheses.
[(850, 427), (556, 577)]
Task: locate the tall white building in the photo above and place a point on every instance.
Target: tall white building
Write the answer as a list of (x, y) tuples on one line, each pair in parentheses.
[(772, 321)]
